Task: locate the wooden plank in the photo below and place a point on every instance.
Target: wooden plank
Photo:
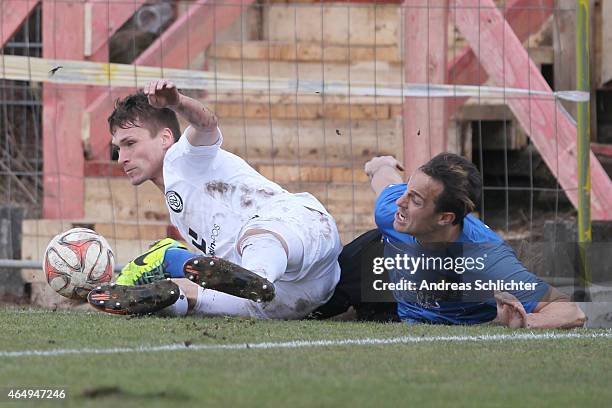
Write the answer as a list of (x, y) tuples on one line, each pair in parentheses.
[(12, 14), (363, 24), (331, 142), (602, 149), (475, 112), (425, 44), (115, 199), (551, 130), (304, 52), (564, 45), (302, 111), (296, 173), (338, 197), (169, 50), (524, 16), (147, 230), (63, 163), (362, 71)]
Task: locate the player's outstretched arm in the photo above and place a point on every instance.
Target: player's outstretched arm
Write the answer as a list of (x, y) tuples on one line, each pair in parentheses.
[(164, 94), (382, 171), (555, 311)]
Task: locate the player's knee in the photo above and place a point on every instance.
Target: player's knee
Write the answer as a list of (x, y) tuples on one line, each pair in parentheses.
[(265, 255), (290, 241)]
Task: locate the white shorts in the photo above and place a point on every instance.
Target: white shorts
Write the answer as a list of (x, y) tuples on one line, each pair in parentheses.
[(298, 292)]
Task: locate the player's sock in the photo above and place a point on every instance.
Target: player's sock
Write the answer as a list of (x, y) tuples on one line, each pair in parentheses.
[(174, 261), (178, 308), (215, 303)]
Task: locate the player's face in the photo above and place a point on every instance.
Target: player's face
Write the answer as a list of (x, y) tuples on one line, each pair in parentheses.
[(140, 154), (416, 213)]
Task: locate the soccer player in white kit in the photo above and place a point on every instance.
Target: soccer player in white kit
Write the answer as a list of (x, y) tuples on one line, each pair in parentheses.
[(223, 207)]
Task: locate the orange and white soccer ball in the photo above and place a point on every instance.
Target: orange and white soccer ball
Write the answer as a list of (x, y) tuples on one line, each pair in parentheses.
[(76, 261)]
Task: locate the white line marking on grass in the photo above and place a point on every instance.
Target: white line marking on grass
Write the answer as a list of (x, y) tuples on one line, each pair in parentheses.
[(311, 343)]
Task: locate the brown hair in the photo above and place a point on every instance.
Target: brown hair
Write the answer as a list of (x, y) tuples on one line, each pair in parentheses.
[(461, 181), (136, 111)]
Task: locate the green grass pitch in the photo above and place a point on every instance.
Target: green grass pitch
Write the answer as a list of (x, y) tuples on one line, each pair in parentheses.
[(504, 372)]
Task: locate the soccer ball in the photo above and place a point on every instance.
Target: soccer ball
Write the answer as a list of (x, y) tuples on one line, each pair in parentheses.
[(76, 261)]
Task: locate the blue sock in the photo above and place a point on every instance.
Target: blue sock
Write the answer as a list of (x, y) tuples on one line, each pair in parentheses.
[(174, 260)]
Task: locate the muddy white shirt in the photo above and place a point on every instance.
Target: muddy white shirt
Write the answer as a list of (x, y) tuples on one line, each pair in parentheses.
[(211, 194)]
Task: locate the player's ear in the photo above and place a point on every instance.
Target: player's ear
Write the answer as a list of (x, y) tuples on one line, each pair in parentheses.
[(167, 138), (446, 218)]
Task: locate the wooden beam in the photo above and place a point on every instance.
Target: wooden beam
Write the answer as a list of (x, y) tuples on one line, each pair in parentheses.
[(12, 15), (549, 126), (110, 15), (602, 149), (107, 17), (564, 46), (425, 50), (192, 33), (63, 162), (187, 37), (524, 16)]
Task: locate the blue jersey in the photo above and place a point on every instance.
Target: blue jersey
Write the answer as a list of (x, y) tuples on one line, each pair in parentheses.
[(476, 241)]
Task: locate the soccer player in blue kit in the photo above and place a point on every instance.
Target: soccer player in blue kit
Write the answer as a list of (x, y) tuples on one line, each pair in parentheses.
[(433, 209)]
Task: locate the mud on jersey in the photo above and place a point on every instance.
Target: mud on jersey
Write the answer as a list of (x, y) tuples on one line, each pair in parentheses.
[(212, 193)]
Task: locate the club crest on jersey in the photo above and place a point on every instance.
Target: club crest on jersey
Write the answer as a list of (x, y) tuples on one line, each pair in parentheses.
[(175, 202)]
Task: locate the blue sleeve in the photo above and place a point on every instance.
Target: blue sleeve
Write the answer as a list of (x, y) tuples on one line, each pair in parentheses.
[(385, 208), (504, 265)]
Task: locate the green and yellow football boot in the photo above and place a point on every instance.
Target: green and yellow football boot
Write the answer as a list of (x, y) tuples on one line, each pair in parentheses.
[(148, 267)]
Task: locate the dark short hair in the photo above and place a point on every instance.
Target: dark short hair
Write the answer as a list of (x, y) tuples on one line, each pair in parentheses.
[(461, 181), (136, 111)]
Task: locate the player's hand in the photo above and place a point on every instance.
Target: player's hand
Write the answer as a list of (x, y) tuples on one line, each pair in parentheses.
[(510, 311), (379, 162), (162, 94)]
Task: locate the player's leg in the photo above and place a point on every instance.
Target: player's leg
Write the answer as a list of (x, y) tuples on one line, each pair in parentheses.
[(270, 254), (168, 259), (303, 276), (304, 240), (293, 300), (208, 302), (137, 290)]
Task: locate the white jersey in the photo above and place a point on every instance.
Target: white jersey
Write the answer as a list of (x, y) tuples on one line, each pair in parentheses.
[(211, 194)]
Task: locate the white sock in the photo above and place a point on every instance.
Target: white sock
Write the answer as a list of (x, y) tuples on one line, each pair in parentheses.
[(213, 303), (178, 308)]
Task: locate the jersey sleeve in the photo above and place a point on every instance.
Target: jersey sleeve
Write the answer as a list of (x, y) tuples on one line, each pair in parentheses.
[(200, 151), (190, 161), (504, 265), (385, 208)]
